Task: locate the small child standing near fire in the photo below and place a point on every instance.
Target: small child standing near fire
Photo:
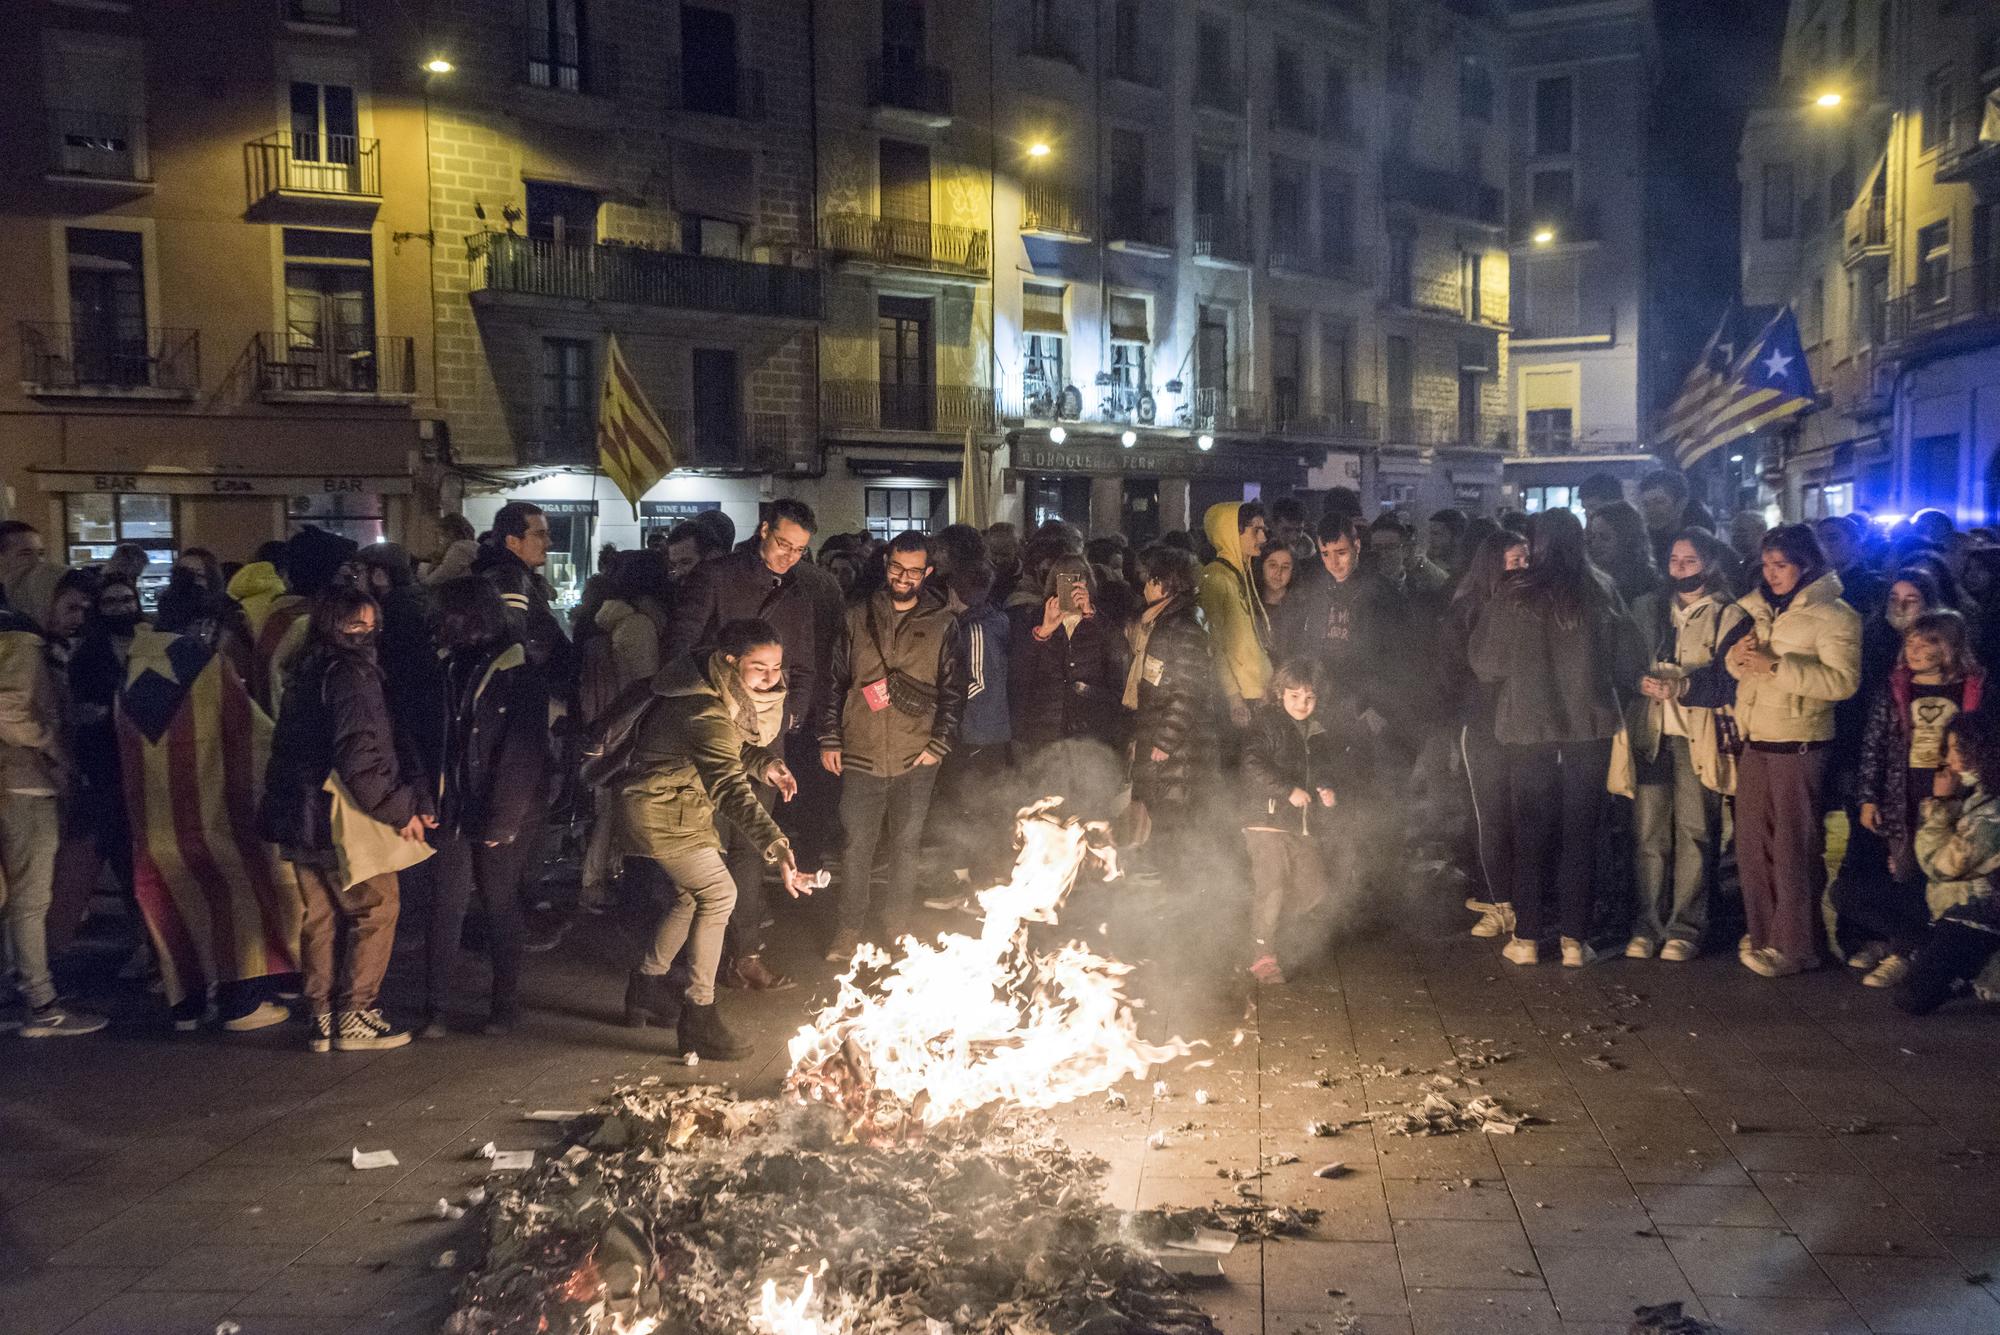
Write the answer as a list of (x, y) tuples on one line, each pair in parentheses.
[(1289, 757)]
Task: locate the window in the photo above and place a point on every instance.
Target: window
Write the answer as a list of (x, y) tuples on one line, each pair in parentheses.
[(1336, 367), (1128, 200), (1849, 23), (1934, 262), (1537, 500), (1289, 232), (1549, 400), (1401, 367), (1871, 308), (567, 392), (1402, 268), (893, 510), (1339, 101), (1471, 285), (1289, 102), (1475, 89), (1336, 217), (1470, 383), (1552, 195), (709, 80), (1840, 186), (1131, 343), (903, 363), (326, 148), (329, 312), (1044, 373), (1212, 62), (95, 522), (717, 406), (97, 98), (1555, 115), (1546, 290), (107, 307), (1288, 369), (711, 236), (561, 213), (1127, 61), (555, 44), (1937, 108), (1211, 359), (360, 517), (1778, 212)]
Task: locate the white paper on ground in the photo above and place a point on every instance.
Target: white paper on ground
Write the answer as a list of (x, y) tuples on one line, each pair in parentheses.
[(513, 1161), (1219, 1241), (550, 1115), (374, 1158)]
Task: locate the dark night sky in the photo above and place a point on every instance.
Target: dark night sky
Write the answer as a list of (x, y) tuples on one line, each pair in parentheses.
[(1717, 57)]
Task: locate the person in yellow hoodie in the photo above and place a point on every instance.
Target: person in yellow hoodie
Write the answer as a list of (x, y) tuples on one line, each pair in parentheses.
[(1239, 631)]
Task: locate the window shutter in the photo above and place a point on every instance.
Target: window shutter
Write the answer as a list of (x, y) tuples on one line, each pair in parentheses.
[(1128, 320), (1042, 308)]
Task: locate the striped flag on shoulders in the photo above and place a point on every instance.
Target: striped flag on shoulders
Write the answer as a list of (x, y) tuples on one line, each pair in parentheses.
[(633, 446), (219, 905)]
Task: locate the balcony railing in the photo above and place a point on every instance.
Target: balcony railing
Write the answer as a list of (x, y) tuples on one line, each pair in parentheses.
[(1052, 208), (1867, 227), (103, 146), (870, 406), (906, 243), (1138, 225), (740, 440), (1549, 442), (61, 358), (372, 365), (1446, 192), (1138, 63), (1934, 304), (340, 165), (568, 436), (1221, 236), (1851, 381), (567, 62), (535, 266), (906, 85), (1967, 151), (1430, 427), (738, 96), (1295, 252), (1294, 413), (1215, 409), (1051, 37)]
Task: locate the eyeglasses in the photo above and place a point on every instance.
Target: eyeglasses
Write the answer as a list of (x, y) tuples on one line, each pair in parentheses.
[(779, 547)]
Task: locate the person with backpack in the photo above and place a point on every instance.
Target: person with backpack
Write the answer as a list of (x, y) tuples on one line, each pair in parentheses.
[(681, 759), (622, 648)]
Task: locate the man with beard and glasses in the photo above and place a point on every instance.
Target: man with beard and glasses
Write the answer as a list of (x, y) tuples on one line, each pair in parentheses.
[(891, 714)]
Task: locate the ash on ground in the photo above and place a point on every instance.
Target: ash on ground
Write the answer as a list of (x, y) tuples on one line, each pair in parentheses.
[(672, 1209)]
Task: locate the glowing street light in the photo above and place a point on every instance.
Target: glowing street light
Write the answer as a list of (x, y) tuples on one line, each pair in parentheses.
[(1204, 442), (1057, 435), (1828, 100), (1129, 439), (1038, 149), (439, 65), (1544, 236)]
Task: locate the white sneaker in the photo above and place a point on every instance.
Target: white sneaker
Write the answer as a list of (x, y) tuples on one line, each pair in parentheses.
[(58, 1021), (1745, 948), (1640, 948), (1679, 951), (367, 1031), (1892, 970), (1579, 954), (1771, 962), (1496, 921), (267, 1014), (1519, 950), (1868, 956), (1478, 905)]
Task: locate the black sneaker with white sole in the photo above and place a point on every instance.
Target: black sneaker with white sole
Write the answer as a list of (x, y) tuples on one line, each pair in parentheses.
[(319, 1037), (367, 1031), (56, 1020)]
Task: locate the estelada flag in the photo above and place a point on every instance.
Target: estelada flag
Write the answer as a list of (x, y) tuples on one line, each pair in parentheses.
[(633, 446), (192, 746), (270, 623)]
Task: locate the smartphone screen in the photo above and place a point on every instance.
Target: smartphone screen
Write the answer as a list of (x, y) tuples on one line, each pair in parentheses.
[(1066, 587)]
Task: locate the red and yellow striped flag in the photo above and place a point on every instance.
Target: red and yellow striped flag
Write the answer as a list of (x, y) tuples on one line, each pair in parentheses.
[(633, 446)]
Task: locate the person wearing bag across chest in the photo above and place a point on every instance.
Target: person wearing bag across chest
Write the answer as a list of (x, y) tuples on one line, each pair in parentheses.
[(890, 714), (335, 723)]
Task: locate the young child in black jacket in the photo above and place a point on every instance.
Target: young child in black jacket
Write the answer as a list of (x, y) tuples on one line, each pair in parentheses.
[(1289, 758)]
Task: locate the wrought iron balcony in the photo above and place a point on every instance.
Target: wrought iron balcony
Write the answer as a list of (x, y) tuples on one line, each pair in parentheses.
[(537, 267), (290, 365), (319, 166), (898, 84), (1968, 152), (1939, 303), (739, 440), (567, 62), (1295, 413), (98, 146), (58, 358), (1221, 237), (1131, 225), (906, 243), (737, 96), (1052, 208), (1238, 411), (1867, 230), (1543, 442), (1851, 380), (1444, 192), (868, 405), (1430, 427)]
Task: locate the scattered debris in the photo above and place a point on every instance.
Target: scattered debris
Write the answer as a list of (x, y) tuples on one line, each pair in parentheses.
[(1114, 1100), (1853, 1126), (1278, 1159), (1331, 1170), (1321, 1129), (1441, 1116), (446, 1260), (1201, 1096), (366, 1159), (1667, 1319), (1602, 1064)]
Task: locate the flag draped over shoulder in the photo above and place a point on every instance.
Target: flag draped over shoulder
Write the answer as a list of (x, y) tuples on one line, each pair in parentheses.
[(1768, 383), (192, 746), (270, 622), (633, 446)]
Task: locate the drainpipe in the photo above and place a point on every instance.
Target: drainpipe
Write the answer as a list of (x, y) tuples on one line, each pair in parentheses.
[(812, 221)]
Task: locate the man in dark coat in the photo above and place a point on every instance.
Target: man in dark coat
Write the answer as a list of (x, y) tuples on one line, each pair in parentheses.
[(513, 562), (1347, 623)]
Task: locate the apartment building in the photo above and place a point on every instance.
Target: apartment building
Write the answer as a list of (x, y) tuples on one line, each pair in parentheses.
[(209, 281), (1871, 189), (616, 169), (1581, 84)]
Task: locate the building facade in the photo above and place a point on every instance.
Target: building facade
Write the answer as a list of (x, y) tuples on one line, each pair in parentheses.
[(208, 281), (1871, 187), (1581, 80)]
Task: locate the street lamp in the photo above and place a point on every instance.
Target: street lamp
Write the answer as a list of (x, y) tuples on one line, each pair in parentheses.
[(1129, 439), (439, 65), (1828, 100), (1544, 236), (1204, 442), (1057, 435), (1038, 149)]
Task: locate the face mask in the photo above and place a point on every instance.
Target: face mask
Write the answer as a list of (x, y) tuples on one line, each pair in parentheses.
[(1689, 583), (124, 623), (362, 643), (1900, 619)]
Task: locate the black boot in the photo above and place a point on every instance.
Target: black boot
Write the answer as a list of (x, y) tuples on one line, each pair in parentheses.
[(649, 999), (703, 1034)]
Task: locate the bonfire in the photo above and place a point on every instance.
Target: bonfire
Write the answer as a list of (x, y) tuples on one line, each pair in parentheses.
[(904, 1182)]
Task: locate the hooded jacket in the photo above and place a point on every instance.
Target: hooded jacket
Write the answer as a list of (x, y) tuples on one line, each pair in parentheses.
[(623, 647), (1958, 847), (254, 586), (691, 766), (32, 758), (921, 644), (1817, 640), (1883, 777), (1238, 627)]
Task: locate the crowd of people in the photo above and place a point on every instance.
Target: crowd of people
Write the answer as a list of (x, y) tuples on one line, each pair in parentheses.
[(1589, 720)]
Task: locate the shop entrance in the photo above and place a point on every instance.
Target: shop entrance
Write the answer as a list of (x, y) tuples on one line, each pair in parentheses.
[(1066, 498), (1139, 510)]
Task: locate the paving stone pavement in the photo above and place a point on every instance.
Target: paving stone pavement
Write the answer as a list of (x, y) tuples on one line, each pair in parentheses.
[(1780, 1157)]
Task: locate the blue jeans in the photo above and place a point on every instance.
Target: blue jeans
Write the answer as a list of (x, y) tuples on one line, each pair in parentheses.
[(880, 811), (1679, 826)]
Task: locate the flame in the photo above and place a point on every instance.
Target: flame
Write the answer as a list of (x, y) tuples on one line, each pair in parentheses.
[(794, 1316), (968, 1021)]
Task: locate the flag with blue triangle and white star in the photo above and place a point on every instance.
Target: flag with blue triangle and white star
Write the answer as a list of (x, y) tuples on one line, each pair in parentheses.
[(1769, 383)]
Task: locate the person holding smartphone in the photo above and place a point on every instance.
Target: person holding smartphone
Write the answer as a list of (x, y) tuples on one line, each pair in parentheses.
[(1069, 672)]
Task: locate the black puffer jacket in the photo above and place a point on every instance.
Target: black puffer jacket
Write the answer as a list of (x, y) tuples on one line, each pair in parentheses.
[(1176, 710), (334, 717), (1280, 754), (494, 709), (1069, 685)]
